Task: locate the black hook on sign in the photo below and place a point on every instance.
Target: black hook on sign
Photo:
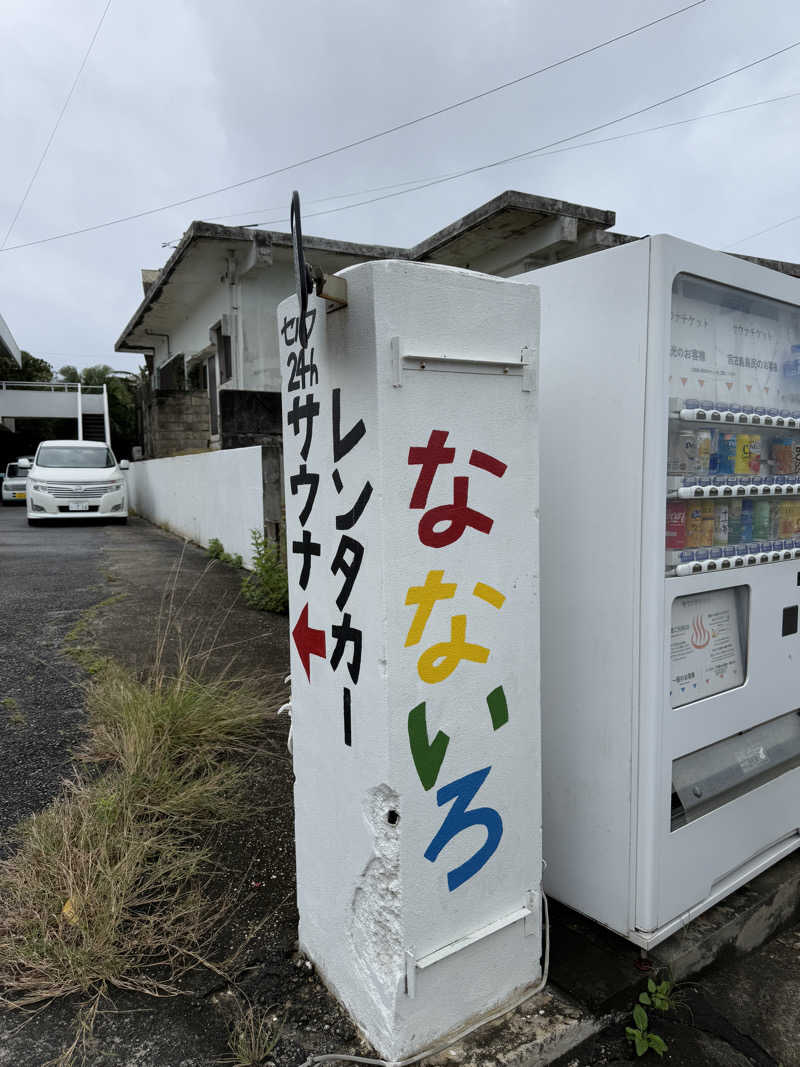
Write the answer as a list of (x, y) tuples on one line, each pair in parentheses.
[(303, 278)]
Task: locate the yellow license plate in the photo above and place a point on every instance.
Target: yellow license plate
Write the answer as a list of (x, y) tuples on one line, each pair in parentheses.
[(19, 496)]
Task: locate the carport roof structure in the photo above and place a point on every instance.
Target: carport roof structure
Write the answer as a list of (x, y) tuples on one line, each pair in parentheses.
[(8, 346)]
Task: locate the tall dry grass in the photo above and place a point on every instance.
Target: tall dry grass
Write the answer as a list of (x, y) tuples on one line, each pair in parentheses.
[(106, 887)]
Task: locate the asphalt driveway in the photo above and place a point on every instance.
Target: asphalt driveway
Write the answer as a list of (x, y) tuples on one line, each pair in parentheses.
[(48, 576)]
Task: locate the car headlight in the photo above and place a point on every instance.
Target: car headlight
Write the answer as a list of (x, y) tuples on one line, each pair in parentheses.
[(38, 488), (114, 486)]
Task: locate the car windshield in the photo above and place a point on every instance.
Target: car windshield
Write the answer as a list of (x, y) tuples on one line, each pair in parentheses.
[(70, 456), (13, 471)]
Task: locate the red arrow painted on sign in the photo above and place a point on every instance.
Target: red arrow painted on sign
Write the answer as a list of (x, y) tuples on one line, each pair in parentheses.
[(308, 641)]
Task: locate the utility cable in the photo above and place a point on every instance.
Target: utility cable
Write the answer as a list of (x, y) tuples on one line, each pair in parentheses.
[(769, 229), (534, 154), (38, 166), (542, 149), (362, 140)]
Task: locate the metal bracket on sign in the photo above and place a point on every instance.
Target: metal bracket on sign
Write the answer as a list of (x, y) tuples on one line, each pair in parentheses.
[(529, 913), (454, 365)]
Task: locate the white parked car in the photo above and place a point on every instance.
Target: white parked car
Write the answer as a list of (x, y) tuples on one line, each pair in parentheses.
[(13, 490), (76, 479)]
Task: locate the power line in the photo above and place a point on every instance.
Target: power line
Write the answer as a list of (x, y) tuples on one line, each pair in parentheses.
[(769, 229), (542, 149), (534, 154), (351, 144), (38, 167)]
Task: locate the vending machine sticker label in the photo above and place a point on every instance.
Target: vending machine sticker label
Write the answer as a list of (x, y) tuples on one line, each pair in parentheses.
[(706, 653)]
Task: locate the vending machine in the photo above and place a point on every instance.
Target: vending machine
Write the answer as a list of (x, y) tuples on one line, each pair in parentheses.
[(670, 579)]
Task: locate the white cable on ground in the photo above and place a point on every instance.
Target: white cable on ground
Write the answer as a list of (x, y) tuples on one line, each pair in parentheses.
[(340, 1057)]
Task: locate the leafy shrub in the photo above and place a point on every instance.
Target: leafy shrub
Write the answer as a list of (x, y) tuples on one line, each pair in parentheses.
[(216, 550), (267, 588)]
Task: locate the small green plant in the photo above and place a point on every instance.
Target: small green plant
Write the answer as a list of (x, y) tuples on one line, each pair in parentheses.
[(267, 588), (641, 1036), (9, 703), (658, 996), (216, 550)]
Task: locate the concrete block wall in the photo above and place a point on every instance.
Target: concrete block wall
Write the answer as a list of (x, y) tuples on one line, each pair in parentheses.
[(175, 421), (209, 495)]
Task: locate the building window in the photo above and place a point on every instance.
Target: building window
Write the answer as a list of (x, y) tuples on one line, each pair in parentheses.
[(213, 398), (171, 376), (221, 338)]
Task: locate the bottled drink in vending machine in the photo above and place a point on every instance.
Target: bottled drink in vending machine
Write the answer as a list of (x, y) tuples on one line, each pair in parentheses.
[(782, 456), (761, 519), (748, 454), (734, 521), (720, 523), (700, 524), (702, 451), (746, 530), (726, 453), (682, 457)]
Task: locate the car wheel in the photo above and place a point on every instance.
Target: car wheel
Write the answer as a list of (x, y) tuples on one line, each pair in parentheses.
[(3, 501)]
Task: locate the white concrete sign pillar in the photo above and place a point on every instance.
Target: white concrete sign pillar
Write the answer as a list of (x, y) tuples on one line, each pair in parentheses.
[(410, 452)]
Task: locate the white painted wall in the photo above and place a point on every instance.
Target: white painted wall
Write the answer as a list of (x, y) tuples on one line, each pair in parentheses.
[(213, 494), (416, 939), (260, 293), (191, 336)]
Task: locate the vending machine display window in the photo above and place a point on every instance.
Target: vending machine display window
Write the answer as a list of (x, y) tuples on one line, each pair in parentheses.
[(733, 462)]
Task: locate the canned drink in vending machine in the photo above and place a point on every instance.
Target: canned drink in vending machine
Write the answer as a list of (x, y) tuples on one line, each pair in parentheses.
[(676, 525)]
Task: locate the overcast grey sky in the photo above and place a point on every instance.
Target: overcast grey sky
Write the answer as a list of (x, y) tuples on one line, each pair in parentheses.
[(182, 97)]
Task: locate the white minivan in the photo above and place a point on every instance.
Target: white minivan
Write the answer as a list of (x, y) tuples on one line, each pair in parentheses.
[(76, 480)]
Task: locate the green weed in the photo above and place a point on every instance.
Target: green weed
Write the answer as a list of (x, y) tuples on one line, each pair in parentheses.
[(267, 588)]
